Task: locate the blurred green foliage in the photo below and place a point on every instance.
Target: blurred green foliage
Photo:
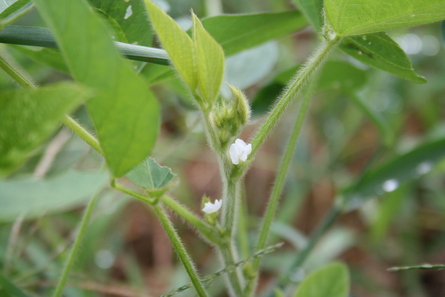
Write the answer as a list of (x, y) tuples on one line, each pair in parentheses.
[(369, 134)]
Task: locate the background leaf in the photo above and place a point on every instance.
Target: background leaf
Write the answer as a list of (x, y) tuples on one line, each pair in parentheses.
[(376, 118), (130, 16), (46, 56), (380, 51), (127, 129), (332, 281), (354, 17), (154, 178), (10, 288), (239, 32), (312, 10), (33, 198), (400, 169), (31, 116)]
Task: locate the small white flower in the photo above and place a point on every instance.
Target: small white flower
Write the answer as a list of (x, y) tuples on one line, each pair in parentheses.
[(239, 151), (210, 207)]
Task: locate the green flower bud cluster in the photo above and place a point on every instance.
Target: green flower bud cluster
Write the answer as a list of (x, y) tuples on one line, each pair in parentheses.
[(229, 117)]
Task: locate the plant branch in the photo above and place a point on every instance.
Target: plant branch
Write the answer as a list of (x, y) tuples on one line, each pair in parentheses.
[(277, 189), (227, 269), (294, 87), (180, 250), (209, 232), (38, 36)]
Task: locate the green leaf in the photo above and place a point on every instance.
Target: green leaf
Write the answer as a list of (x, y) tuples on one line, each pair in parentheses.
[(341, 75), (130, 16), (354, 17), (154, 178), (124, 112), (45, 56), (379, 121), (312, 10), (332, 281), (28, 117), (10, 288), (239, 32), (380, 51), (397, 171), (443, 32), (32, 198), (176, 42), (209, 63), (11, 9)]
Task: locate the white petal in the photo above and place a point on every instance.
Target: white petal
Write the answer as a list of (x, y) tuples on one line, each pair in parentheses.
[(234, 153), (248, 149), (240, 143), (209, 207), (218, 204)]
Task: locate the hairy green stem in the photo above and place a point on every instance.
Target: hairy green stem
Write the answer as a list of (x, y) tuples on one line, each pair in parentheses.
[(134, 194), (82, 133), (171, 232), (209, 232), (226, 269), (14, 71), (277, 189), (230, 209), (19, 76), (295, 86), (76, 247), (324, 225), (227, 252), (180, 250), (230, 199)]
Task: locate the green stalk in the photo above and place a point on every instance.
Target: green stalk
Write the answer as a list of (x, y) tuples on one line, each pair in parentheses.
[(171, 232), (327, 222), (76, 247), (227, 252), (276, 191), (82, 133), (180, 250), (134, 194), (25, 82), (230, 198), (209, 232), (7, 64), (38, 36), (295, 86), (229, 207)]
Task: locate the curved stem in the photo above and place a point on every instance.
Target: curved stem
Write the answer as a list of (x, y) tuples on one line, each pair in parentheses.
[(296, 85), (277, 189), (180, 250), (209, 232), (82, 133), (76, 246)]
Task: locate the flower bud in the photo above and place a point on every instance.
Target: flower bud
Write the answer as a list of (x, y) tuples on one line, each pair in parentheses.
[(241, 105), (229, 117)]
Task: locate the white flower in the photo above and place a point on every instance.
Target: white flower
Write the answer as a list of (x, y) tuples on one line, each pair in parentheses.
[(210, 207), (239, 151)]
